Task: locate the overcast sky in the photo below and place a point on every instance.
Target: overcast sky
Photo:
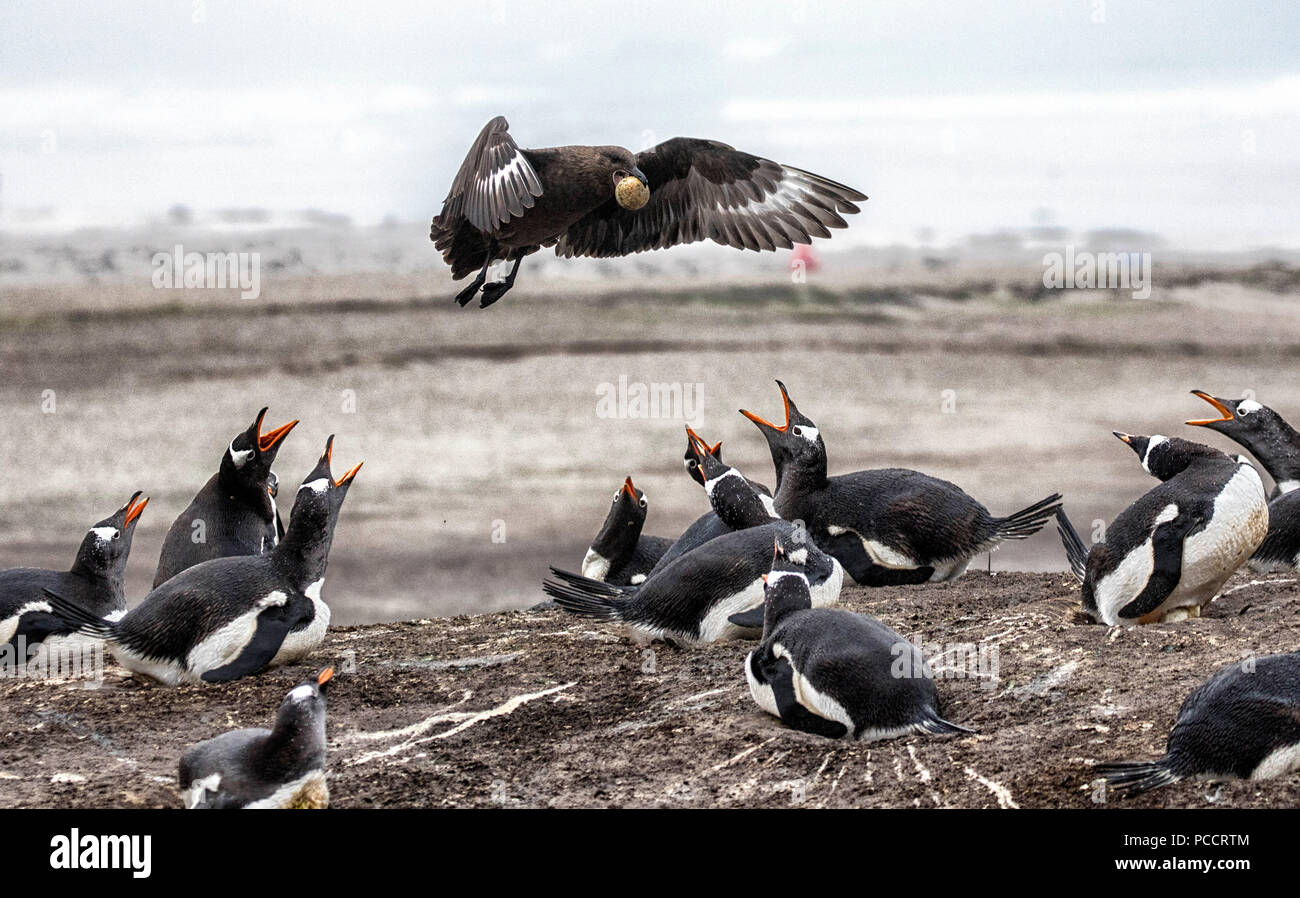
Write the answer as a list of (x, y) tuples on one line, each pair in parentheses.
[(1179, 117)]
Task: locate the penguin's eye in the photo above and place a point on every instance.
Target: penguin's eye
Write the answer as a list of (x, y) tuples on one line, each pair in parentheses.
[(797, 430), (692, 463), (643, 503)]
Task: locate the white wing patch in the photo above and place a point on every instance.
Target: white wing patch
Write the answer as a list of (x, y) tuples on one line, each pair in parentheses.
[(224, 645), (200, 788), (595, 566), (1279, 762), (760, 692)]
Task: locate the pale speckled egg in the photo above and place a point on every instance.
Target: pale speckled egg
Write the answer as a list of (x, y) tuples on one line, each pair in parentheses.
[(631, 193)]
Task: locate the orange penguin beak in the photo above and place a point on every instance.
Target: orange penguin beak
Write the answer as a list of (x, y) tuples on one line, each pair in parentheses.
[(134, 509), (347, 478), (324, 676), (1126, 437), (272, 438), (629, 488), (763, 422), (1223, 410)]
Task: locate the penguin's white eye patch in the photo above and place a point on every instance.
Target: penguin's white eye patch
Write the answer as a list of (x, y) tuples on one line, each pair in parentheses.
[(316, 486), (301, 693), (106, 534), (239, 456), (1246, 406), (805, 432)]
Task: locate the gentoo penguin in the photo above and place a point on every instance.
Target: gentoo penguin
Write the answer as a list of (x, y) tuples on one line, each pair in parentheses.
[(1276, 445), (283, 767), (1167, 554), (234, 513), (836, 673), (733, 497), (94, 583), (704, 595), (708, 525), (232, 617), (506, 203), (1243, 722), (620, 554), (888, 526)]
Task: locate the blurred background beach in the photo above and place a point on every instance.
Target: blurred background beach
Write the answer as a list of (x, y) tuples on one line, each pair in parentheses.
[(321, 140)]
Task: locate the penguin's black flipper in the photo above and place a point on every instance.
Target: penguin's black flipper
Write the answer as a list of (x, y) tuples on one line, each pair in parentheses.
[(780, 676), (35, 626), (1075, 551), (271, 630), (1167, 563), (77, 618), (879, 575), (750, 620)]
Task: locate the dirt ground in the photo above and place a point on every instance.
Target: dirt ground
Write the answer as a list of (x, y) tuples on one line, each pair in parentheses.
[(539, 709)]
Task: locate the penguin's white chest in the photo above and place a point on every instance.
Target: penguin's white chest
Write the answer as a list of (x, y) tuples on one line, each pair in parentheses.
[(715, 625), (1238, 526)]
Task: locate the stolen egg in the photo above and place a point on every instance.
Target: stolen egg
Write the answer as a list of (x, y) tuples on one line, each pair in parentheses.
[(631, 193)]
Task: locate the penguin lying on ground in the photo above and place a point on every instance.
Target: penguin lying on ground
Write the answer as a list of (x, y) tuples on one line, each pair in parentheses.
[(620, 554), (1167, 554), (232, 617), (704, 595), (1276, 445), (283, 767), (94, 583), (1243, 722), (234, 513), (888, 526), (708, 525), (836, 673)]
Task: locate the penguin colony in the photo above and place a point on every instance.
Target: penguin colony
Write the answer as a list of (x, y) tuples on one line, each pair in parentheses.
[(762, 564)]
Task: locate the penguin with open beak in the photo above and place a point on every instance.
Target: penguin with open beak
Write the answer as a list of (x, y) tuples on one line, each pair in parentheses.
[(233, 617), (234, 513), (94, 583), (621, 554), (283, 767), (1276, 445), (887, 526)]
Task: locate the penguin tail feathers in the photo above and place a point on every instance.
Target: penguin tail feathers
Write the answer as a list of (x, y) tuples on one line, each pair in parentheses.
[(78, 618), (1028, 521), (594, 587), (936, 725), (1075, 551), (585, 597), (1138, 776)]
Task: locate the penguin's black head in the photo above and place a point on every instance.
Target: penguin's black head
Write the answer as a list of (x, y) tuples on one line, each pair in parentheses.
[(622, 527), (108, 544), (248, 459), (785, 586), (1163, 457), (692, 456), (320, 491), (1257, 427), (304, 708), (798, 439)]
